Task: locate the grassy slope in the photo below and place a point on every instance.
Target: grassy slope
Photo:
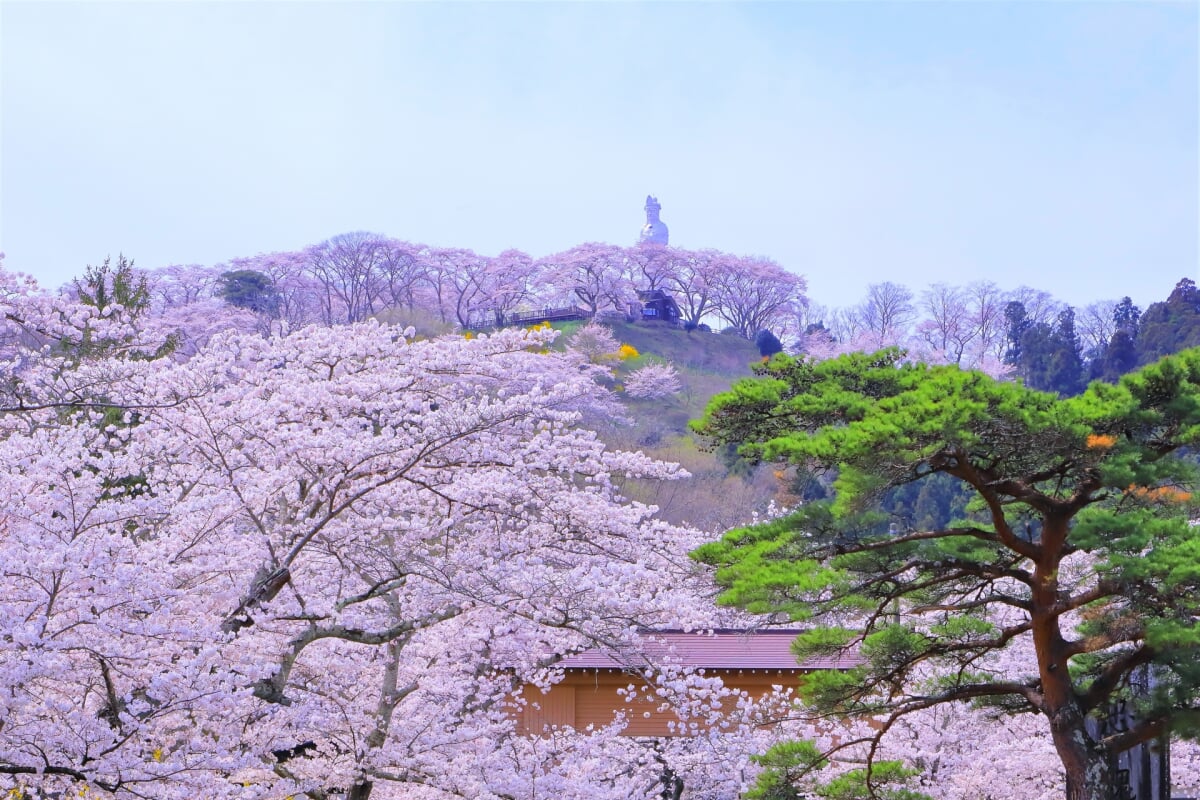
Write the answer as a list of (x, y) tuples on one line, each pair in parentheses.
[(713, 499), (708, 363)]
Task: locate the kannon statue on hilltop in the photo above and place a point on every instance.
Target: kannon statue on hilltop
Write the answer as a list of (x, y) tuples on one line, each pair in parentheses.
[(654, 231)]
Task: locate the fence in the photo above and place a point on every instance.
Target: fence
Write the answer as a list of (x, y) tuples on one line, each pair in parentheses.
[(500, 320)]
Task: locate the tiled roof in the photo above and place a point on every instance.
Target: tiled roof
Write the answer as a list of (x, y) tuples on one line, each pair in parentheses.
[(724, 649)]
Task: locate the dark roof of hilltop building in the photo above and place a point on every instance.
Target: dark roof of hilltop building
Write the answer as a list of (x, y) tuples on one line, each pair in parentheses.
[(721, 649)]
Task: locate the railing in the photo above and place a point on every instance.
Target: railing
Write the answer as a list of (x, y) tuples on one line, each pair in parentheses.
[(499, 320)]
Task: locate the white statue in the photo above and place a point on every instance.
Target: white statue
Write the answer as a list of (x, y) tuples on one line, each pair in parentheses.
[(654, 231)]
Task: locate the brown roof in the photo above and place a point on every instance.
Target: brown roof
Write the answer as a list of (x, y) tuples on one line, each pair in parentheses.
[(722, 649)]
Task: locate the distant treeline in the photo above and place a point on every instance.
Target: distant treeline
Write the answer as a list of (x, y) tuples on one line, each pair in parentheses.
[(1024, 333)]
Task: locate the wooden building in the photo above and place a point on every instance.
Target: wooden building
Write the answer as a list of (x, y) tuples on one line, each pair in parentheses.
[(589, 694), (655, 305)]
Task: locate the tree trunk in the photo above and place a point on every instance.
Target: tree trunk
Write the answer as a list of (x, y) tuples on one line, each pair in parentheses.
[(360, 791), (1090, 772)]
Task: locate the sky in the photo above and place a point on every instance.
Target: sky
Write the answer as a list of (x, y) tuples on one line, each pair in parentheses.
[(1048, 144)]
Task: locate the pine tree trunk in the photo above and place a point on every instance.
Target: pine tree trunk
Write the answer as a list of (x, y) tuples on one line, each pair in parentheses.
[(1090, 772), (1089, 769), (1092, 785)]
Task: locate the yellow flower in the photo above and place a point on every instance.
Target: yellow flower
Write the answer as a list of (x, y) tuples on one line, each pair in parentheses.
[(627, 351), (158, 754)]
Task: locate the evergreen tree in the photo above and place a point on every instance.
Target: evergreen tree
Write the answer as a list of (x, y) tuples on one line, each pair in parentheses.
[(768, 343), (1126, 316), (250, 289), (105, 286), (1017, 323), (1046, 357), (1170, 326), (1119, 354), (122, 296), (1118, 358), (1078, 549)]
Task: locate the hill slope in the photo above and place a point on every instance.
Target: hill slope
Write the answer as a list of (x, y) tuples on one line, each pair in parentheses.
[(715, 498)]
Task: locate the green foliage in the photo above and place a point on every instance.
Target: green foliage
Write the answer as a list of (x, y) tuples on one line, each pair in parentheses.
[(763, 571), (249, 289), (105, 286), (1098, 485), (825, 641), (788, 770), (122, 295), (1170, 326), (1165, 328), (768, 344), (932, 503), (1046, 357), (890, 647), (785, 765), (884, 781), (723, 489), (1118, 357)]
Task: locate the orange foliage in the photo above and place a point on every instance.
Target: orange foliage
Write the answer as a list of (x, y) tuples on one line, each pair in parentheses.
[(1100, 441), (1167, 494)]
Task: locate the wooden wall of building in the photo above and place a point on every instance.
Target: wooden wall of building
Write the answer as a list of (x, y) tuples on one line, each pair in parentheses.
[(592, 697)]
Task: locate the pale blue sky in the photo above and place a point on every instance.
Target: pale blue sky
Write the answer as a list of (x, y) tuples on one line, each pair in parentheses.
[(1052, 144)]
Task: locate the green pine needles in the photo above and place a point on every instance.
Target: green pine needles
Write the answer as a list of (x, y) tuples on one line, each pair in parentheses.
[(1076, 547)]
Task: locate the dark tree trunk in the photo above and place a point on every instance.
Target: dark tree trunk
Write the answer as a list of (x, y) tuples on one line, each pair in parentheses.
[(360, 790), (1090, 772)]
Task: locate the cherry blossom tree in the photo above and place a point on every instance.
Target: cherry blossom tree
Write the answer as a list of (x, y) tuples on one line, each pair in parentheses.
[(962, 325), (595, 342), (400, 270), (514, 279), (297, 293), (653, 381), (316, 565), (348, 270), (1096, 324), (474, 286), (986, 302), (886, 313), (181, 285), (693, 280), (592, 273), (753, 294), (946, 326), (653, 266), (460, 280)]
